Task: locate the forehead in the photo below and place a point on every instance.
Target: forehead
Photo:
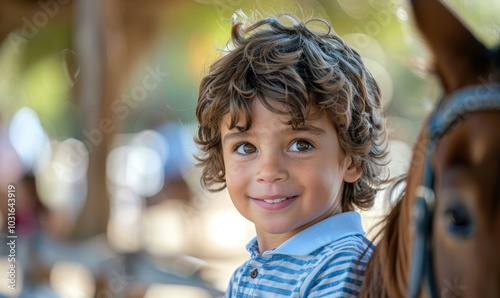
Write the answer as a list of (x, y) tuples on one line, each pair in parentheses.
[(267, 110), (467, 159)]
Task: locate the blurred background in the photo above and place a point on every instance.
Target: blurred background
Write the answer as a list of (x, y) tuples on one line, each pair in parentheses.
[(97, 102)]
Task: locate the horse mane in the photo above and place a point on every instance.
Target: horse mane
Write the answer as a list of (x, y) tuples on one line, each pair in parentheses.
[(386, 263), (387, 271)]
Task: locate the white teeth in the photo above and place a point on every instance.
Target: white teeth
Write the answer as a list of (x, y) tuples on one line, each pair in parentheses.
[(275, 201)]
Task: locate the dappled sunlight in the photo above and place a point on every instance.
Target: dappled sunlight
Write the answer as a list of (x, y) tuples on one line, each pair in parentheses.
[(29, 139), (158, 291), (72, 280)]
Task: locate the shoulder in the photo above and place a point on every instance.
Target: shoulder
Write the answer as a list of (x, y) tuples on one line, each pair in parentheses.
[(350, 251), (341, 267), (355, 244)]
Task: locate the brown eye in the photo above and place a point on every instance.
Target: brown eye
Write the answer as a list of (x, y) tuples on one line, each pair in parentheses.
[(459, 221), (245, 148), (300, 146)]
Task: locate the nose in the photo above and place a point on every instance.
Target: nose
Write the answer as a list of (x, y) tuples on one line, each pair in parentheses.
[(272, 167)]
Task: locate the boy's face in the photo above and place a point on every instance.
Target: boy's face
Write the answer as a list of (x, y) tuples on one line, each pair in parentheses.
[(281, 179)]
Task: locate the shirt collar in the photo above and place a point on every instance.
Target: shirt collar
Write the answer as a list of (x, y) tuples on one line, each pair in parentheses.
[(318, 235)]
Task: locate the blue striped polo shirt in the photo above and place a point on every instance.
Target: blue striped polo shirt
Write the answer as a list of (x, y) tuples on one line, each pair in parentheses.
[(327, 259)]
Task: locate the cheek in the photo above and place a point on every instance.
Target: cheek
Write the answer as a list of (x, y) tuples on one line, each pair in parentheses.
[(455, 262), (323, 176), (235, 172), (329, 171), (227, 162), (231, 167)]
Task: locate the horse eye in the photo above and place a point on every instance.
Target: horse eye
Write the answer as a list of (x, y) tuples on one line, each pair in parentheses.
[(459, 222)]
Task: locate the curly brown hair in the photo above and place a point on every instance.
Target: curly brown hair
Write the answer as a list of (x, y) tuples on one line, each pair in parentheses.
[(281, 60)]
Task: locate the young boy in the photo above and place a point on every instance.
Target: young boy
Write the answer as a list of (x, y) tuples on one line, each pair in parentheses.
[(290, 121)]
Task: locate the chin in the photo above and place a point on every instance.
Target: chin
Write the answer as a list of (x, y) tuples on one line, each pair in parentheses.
[(279, 228)]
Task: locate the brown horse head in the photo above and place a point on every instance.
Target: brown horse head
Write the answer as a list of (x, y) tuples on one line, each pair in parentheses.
[(460, 146)]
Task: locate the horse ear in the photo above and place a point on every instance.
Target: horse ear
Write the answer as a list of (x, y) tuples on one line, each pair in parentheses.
[(459, 58)]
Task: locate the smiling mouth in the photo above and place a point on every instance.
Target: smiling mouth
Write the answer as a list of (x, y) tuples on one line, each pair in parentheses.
[(275, 203), (276, 200)]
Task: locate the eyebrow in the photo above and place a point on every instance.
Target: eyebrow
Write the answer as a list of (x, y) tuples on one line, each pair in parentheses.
[(305, 128)]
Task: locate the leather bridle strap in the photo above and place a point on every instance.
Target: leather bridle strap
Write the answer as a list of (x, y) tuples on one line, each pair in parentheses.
[(463, 102), (457, 106)]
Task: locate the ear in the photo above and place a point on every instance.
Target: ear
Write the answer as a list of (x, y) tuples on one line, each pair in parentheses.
[(353, 171), (458, 57)]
